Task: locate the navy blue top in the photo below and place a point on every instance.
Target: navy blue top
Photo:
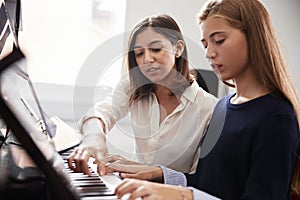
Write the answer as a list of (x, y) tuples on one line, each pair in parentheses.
[(255, 153)]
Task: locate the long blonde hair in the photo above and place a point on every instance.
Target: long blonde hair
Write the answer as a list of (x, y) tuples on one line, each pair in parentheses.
[(265, 54)]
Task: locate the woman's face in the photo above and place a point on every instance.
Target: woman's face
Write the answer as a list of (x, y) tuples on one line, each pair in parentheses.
[(226, 48), (154, 54)]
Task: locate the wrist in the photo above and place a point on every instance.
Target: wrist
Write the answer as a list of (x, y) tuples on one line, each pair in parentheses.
[(92, 125), (186, 193), (157, 175)]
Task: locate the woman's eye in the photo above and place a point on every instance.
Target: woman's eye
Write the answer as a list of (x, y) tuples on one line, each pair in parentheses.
[(204, 44), (218, 42), (138, 54), (156, 49)]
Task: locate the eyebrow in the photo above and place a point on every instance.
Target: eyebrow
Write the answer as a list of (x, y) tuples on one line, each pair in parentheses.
[(213, 34), (151, 43)]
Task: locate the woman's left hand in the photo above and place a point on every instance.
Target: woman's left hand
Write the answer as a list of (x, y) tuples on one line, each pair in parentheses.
[(143, 172), (148, 190), (113, 158)]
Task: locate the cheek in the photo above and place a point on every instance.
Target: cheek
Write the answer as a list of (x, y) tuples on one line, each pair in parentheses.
[(168, 60), (242, 53), (237, 53), (242, 49), (139, 61)]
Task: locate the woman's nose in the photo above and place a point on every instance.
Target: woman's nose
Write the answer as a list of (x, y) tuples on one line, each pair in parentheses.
[(148, 56), (210, 53)]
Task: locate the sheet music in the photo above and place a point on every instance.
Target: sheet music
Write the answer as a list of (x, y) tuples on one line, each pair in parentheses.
[(65, 137)]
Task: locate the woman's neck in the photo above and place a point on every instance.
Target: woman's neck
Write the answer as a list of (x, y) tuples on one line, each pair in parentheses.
[(162, 91), (247, 89), (167, 100)]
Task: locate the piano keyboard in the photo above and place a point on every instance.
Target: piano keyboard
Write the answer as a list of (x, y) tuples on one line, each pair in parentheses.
[(93, 186)]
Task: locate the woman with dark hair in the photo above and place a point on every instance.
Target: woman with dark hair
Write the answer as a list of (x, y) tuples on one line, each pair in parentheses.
[(168, 110)]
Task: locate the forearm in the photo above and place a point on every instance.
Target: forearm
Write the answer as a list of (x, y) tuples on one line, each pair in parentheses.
[(94, 138), (92, 125)]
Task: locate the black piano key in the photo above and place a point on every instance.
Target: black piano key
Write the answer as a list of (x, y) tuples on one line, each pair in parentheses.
[(96, 193), (92, 189), (86, 178), (88, 183)]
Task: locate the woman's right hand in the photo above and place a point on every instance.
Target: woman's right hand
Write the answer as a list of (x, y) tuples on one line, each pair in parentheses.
[(93, 145), (78, 160)]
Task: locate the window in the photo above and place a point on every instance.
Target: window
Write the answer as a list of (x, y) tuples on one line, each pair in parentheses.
[(57, 36)]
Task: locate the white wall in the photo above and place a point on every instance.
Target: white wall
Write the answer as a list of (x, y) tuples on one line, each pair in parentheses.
[(285, 16)]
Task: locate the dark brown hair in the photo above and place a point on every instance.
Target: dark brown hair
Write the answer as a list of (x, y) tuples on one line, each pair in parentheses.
[(166, 26)]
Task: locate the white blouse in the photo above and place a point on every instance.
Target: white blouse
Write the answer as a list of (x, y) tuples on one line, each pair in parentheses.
[(175, 141)]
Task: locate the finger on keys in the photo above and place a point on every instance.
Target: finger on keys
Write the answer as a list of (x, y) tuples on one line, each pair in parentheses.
[(73, 161), (101, 168), (70, 161), (84, 162)]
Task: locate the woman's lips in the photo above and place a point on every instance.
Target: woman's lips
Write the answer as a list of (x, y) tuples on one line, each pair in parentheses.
[(215, 66), (152, 69)]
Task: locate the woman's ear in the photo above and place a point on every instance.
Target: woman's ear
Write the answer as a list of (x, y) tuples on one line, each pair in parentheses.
[(180, 45)]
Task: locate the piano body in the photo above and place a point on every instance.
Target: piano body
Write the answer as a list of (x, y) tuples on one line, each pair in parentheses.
[(21, 178)]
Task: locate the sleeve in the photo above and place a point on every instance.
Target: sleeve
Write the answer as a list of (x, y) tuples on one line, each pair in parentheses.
[(173, 177), (112, 108), (272, 159)]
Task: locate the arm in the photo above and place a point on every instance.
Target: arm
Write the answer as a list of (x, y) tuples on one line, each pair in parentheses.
[(94, 126), (172, 189), (111, 109), (93, 145)]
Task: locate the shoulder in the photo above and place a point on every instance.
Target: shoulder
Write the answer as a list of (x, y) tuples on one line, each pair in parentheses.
[(276, 115), (222, 102), (275, 105), (202, 95), (265, 105)]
